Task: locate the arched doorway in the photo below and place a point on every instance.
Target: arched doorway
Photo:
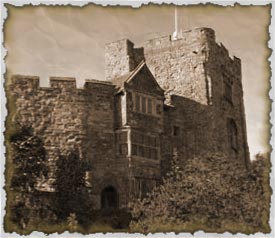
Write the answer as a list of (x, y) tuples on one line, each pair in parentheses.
[(109, 197)]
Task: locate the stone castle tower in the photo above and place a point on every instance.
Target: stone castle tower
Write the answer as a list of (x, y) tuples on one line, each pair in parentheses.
[(181, 95)]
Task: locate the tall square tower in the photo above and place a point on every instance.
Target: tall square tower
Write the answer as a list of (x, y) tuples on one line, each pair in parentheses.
[(201, 81)]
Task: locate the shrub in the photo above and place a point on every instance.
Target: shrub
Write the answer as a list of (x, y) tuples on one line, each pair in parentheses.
[(71, 194), (29, 167), (211, 191)]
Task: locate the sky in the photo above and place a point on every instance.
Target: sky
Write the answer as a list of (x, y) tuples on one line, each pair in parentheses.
[(69, 41)]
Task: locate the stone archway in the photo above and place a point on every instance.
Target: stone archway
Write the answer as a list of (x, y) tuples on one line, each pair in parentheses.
[(109, 198)]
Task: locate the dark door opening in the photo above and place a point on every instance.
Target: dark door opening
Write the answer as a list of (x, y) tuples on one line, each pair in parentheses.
[(109, 198)]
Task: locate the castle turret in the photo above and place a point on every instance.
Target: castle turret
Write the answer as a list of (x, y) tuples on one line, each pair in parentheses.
[(178, 65), (119, 58)]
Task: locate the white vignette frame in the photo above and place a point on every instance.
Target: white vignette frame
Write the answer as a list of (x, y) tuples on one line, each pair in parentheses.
[(135, 4)]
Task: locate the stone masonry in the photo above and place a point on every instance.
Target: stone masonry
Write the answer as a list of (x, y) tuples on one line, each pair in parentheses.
[(168, 95)]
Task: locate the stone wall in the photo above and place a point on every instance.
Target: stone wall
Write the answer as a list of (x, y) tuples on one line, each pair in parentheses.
[(192, 67), (179, 65), (48, 111), (119, 58), (141, 126), (69, 118), (202, 92), (181, 60), (219, 68)]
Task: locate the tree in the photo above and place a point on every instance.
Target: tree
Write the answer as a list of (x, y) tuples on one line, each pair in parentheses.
[(29, 166), (71, 193), (205, 193)]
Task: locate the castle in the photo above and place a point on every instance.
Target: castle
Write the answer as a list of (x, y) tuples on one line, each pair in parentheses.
[(181, 95)]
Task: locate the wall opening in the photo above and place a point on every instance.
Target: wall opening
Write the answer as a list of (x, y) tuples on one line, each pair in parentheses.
[(109, 198), (232, 134)]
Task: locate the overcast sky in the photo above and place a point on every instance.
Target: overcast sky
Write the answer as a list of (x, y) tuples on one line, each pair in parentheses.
[(69, 41)]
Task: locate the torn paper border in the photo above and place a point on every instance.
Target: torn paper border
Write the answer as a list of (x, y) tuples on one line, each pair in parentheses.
[(134, 4)]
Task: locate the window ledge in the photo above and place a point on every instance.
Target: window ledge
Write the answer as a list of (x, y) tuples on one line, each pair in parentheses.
[(157, 161)]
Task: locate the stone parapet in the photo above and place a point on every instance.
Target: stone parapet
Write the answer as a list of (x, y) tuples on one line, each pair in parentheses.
[(30, 83), (186, 37)]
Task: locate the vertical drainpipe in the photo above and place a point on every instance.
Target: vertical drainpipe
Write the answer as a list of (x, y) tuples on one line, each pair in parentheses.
[(129, 142), (129, 163)]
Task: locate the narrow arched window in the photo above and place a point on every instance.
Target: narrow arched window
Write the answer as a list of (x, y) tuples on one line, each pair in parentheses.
[(232, 134)]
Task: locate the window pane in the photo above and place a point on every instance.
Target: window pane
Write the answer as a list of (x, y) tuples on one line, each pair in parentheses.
[(146, 140), (232, 134), (134, 149), (137, 103), (141, 139), (123, 149), (149, 108), (153, 153), (138, 138), (123, 136), (143, 104), (146, 152), (176, 131), (140, 151), (134, 136), (149, 153), (144, 188), (153, 142)]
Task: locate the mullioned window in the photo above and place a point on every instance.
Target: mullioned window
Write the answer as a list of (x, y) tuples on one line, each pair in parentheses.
[(144, 145), (147, 105)]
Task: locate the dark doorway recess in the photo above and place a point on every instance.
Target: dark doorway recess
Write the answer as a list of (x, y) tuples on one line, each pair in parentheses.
[(109, 198)]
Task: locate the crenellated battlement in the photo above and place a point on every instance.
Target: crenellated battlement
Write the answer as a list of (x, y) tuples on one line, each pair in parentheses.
[(26, 82), (121, 56), (129, 138), (63, 82), (200, 35)]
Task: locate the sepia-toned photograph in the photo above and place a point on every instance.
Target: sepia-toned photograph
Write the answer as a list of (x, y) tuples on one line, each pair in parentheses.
[(137, 118)]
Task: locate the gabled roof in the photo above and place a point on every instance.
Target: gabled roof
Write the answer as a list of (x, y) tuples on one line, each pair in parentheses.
[(121, 80), (136, 70)]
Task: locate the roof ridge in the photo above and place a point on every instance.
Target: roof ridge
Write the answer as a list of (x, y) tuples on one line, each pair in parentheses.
[(136, 70), (130, 75)]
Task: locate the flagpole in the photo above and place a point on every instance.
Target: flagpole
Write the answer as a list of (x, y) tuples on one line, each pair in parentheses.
[(175, 34)]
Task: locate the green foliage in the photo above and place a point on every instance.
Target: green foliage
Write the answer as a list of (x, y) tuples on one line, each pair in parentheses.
[(71, 194), (210, 192)]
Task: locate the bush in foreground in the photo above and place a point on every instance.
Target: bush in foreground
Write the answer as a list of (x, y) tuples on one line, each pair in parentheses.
[(211, 193), (29, 166)]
